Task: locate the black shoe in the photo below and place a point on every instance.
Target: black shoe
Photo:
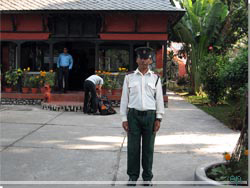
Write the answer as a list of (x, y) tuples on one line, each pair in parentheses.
[(147, 183), (131, 182)]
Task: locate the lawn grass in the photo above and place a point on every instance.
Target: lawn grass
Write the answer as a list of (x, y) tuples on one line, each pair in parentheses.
[(222, 112)]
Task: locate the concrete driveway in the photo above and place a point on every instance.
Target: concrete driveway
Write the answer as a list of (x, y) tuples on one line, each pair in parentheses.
[(45, 147)]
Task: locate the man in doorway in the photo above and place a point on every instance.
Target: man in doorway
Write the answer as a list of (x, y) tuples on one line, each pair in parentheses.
[(91, 84), (64, 63), (142, 109)]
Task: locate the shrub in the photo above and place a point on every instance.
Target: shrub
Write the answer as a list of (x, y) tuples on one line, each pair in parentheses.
[(235, 75), (182, 80), (211, 78), (237, 116)]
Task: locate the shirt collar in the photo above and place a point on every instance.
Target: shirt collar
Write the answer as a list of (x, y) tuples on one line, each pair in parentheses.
[(138, 72)]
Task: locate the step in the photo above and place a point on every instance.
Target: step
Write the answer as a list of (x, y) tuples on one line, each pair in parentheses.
[(59, 102)]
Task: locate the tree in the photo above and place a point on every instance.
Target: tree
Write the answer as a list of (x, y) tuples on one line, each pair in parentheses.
[(198, 28), (235, 26)]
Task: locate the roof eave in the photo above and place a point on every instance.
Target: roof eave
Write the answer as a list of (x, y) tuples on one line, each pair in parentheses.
[(89, 11)]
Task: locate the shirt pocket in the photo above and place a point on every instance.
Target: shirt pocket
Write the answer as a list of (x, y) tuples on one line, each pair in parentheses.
[(133, 88), (150, 89)]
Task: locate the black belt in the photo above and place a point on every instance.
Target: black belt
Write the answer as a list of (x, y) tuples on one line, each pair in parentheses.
[(142, 113)]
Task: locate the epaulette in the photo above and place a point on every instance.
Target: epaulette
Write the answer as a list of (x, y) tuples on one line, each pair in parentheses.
[(130, 72), (157, 74)]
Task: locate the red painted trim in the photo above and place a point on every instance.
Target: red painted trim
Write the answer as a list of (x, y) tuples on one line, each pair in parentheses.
[(24, 36), (6, 23), (152, 23), (29, 22), (160, 37)]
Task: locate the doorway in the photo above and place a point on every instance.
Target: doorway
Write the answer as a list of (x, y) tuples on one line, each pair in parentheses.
[(83, 54)]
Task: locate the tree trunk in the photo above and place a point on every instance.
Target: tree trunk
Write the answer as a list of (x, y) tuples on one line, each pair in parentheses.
[(242, 143)]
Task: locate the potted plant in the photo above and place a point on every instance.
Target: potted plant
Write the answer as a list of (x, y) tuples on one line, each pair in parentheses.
[(231, 171), (50, 78), (34, 83), (42, 81), (25, 80), (107, 85), (11, 78), (116, 87)]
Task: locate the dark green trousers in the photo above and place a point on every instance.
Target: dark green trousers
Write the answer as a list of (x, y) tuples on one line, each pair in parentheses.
[(141, 127)]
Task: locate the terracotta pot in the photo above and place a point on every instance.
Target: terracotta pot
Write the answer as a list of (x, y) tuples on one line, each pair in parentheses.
[(42, 89), (116, 91), (34, 90), (25, 90), (8, 89)]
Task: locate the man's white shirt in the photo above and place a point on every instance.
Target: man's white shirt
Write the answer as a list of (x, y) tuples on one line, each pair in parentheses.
[(141, 93), (97, 80)]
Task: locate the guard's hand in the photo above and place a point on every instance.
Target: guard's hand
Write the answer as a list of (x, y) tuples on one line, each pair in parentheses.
[(125, 125), (157, 126)]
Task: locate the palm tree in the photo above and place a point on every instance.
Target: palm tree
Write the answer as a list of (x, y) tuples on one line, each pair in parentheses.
[(198, 28)]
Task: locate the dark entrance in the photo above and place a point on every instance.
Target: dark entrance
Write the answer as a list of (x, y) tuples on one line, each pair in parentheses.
[(84, 64), (83, 54)]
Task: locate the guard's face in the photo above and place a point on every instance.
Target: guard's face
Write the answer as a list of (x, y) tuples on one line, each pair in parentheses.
[(65, 50), (143, 63)]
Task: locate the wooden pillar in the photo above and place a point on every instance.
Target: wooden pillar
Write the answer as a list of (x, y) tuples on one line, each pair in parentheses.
[(51, 55), (131, 57), (1, 56), (164, 88), (18, 58), (1, 63), (97, 48), (18, 65)]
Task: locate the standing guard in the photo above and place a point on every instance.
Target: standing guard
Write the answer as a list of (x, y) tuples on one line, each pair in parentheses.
[(142, 109)]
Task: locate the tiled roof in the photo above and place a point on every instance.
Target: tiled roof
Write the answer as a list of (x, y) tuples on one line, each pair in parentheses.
[(98, 5)]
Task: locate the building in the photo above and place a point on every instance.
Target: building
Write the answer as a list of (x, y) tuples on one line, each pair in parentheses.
[(100, 34)]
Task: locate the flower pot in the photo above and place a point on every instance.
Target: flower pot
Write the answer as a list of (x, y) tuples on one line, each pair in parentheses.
[(200, 174), (25, 90), (42, 89), (8, 89), (116, 91), (34, 90)]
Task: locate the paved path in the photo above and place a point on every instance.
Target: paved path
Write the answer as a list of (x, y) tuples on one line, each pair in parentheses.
[(39, 145)]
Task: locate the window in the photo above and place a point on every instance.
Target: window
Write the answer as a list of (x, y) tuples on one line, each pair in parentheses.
[(112, 59), (35, 55)]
